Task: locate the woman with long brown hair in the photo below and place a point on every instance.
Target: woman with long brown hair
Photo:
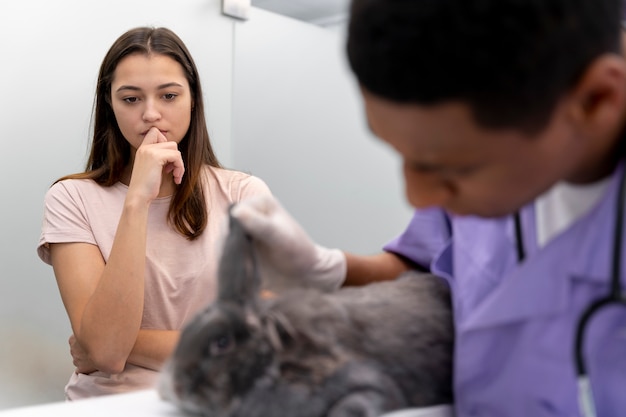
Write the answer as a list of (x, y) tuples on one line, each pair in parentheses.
[(134, 239)]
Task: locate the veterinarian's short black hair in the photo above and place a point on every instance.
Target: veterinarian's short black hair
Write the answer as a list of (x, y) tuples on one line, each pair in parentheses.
[(510, 60)]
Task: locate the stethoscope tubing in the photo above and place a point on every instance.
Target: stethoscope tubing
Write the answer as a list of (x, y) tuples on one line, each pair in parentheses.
[(615, 296)]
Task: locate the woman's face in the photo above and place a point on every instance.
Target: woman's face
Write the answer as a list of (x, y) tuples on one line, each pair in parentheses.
[(151, 91)]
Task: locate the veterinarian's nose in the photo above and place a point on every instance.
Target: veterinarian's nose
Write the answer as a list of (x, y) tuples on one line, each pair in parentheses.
[(426, 189)]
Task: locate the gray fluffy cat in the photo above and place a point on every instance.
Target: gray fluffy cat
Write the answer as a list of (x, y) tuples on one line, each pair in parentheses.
[(359, 351)]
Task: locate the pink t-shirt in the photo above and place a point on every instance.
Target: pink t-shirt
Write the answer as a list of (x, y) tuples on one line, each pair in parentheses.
[(180, 274)]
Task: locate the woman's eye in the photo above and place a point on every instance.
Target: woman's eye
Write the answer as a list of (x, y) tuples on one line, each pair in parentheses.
[(130, 99), (169, 96)]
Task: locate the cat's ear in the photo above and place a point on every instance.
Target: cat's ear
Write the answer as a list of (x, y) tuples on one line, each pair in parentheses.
[(238, 274)]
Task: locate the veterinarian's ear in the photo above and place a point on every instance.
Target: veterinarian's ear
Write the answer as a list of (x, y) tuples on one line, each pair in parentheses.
[(597, 102), (238, 274)]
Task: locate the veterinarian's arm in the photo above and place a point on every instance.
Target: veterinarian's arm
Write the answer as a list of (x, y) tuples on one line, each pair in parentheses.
[(286, 250), (385, 266), (287, 255)]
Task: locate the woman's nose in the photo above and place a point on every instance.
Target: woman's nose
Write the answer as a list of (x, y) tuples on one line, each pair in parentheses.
[(151, 112)]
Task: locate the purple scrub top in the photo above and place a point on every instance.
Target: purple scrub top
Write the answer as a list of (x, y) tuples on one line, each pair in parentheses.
[(515, 322)]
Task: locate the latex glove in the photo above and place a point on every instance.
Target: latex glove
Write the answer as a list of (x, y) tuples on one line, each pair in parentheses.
[(287, 255)]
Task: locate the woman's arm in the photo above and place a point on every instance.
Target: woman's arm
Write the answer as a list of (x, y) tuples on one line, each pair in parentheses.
[(105, 302), (151, 350), (153, 347)]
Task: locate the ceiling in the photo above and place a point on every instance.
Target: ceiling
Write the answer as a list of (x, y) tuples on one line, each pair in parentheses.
[(319, 12)]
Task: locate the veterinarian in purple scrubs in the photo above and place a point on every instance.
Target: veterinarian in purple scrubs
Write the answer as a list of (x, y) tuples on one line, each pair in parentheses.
[(510, 117)]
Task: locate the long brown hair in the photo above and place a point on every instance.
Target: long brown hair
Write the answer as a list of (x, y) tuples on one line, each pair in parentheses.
[(110, 151)]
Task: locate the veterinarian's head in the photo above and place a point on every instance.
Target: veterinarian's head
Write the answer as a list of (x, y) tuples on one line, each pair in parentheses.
[(490, 103)]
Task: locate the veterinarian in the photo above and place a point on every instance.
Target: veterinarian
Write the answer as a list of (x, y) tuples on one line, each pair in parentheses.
[(133, 239), (510, 118)]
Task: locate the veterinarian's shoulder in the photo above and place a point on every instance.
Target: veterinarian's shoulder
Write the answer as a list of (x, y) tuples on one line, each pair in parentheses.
[(236, 184)]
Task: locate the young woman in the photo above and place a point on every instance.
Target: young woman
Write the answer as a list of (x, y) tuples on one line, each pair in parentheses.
[(134, 239)]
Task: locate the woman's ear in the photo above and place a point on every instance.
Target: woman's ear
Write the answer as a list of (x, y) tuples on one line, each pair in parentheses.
[(597, 103)]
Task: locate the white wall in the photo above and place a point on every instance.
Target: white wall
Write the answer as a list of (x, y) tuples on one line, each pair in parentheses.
[(291, 116), (299, 124)]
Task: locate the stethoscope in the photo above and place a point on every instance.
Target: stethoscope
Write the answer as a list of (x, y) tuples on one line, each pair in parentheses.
[(615, 296)]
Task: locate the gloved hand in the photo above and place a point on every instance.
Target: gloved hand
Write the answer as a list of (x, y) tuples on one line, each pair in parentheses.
[(287, 255)]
